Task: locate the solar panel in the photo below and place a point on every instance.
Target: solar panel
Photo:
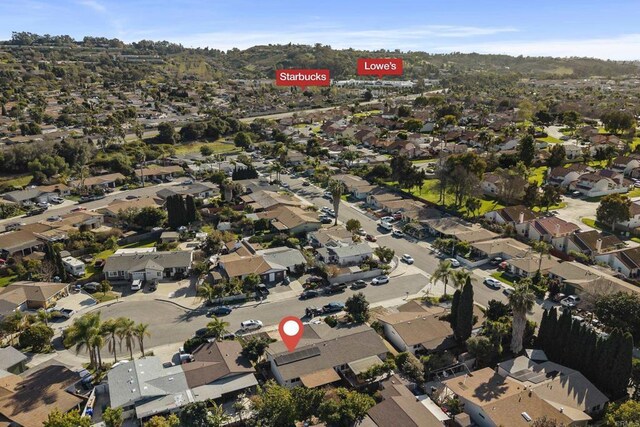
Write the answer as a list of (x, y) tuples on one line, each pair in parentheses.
[(297, 355)]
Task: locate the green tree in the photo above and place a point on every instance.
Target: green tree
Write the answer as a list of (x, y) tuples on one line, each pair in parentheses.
[(159, 421), (344, 408), (127, 334), (444, 273), (570, 119), (243, 140), (306, 401), (81, 334), (410, 366), (358, 307), (455, 304), (149, 217), (105, 287), (624, 414), (384, 254), (620, 310), (203, 414), (353, 225), (68, 419), (274, 405), (527, 150), (413, 125), (206, 150), (192, 212), (37, 337), (112, 417), (217, 327), (336, 188), (521, 301), (558, 156), (166, 133), (613, 208), (464, 322), (617, 121), (482, 349), (141, 331), (404, 111), (551, 195), (254, 348)]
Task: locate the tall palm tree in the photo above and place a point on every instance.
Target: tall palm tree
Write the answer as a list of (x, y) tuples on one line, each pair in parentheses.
[(141, 331), (126, 333), (216, 328), (459, 278), (521, 302), (207, 292), (44, 316), (443, 273), (542, 248), (80, 334), (336, 188), (110, 330), (96, 341)]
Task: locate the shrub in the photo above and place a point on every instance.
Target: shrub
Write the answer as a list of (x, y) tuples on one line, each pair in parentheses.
[(331, 321)]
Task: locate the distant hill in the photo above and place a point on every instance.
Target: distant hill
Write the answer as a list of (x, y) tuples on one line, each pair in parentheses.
[(260, 61)]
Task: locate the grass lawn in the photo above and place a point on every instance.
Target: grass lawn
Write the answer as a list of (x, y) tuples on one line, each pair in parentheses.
[(367, 113), (15, 181), (4, 281), (635, 143), (561, 205), (550, 139), (430, 193), (416, 162), (590, 222), (633, 193), (218, 147), (598, 164), (100, 297), (142, 244), (503, 278), (538, 174)]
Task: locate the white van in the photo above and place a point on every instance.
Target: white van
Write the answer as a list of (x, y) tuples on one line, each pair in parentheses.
[(136, 285), (385, 225)]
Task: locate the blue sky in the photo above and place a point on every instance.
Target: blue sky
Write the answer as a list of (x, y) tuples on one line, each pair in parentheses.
[(604, 29)]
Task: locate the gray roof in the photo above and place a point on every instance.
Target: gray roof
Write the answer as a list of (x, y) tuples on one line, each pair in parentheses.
[(144, 379), (331, 347), (10, 357), (139, 261), (352, 250), (22, 195), (286, 257)]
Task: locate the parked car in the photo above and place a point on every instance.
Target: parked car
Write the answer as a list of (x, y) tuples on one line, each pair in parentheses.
[(388, 219), (222, 310), (380, 280), (250, 325), (262, 290), (397, 216), (79, 209), (407, 258), (454, 262), (57, 200), (44, 205), (313, 311), (314, 279), (370, 238), (132, 197), (99, 263), (336, 288), (558, 297), (359, 284), (54, 218), (305, 183), (187, 182), (124, 187), (310, 293), (327, 195), (136, 285), (13, 226), (64, 313), (168, 179), (570, 301), (492, 283), (91, 286), (385, 226), (153, 285), (361, 232), (333, 307), (507, 291), (496, 261), (325, 220), (36, 211)]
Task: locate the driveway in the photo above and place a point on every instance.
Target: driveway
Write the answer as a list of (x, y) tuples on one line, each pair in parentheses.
[(577, 209)]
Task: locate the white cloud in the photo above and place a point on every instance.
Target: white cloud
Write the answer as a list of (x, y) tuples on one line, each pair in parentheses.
[(93, 5), (623, 47), (397, 38)]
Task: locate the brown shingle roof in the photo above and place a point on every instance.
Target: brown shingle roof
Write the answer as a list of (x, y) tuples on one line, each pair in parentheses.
[(216, 360)]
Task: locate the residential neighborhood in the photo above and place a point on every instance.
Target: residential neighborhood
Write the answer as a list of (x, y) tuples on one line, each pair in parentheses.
[(456, 244)]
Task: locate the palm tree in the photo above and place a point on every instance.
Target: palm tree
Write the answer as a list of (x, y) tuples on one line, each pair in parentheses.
[(542, 248), (336, 188), (126, 333), (80, 334), (207, 292), (521, 301), (44, 316), (459, 278), (443, 273), (110, 330), (14, 324), (217, 327), (96, 341), (141, 330)]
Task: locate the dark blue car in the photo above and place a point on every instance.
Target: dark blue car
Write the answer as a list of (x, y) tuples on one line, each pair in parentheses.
[(223, 310)]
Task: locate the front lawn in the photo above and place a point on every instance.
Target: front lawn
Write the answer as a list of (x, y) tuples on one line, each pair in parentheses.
[(4, 281), (550, 139), (100, 297), (538, 174), (15, 180), (218, 147), (590, 222), (560, 205), (503, 277)]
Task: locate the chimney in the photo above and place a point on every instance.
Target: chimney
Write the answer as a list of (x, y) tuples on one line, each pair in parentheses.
[(521, 218), (557, 229), (598, 246)]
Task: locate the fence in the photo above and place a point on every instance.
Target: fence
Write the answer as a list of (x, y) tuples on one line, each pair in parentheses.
[(360, 275), (126, 240)]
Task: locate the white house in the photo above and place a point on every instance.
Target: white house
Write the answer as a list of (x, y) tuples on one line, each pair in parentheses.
[(626, 262), (345, 255), (602, 183), (634, 220), (546, 229), (573, 151), (147, 265), (491, 184), (565, 177)]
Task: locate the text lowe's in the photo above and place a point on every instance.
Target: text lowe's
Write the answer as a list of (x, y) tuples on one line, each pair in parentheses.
[(303, 78), (380, 67)]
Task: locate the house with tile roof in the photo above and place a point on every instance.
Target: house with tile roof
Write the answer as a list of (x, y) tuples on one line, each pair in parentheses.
[(546, 229), (238, 266), (634, 217), (589, 242), (27, 295), (291, 219), (625, 262), (511, 215), (566, 177), (602, 183)]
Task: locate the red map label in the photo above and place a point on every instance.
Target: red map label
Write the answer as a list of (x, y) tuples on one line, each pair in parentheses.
[(380, 67), (303, 78)]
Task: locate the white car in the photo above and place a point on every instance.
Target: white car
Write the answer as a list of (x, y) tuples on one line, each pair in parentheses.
[(454, 262), (380, 280), (361, 232), (570, 301), (136, 285), (386, 219), (407, 258), (398, 233), (249, 325), (493, 283)]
